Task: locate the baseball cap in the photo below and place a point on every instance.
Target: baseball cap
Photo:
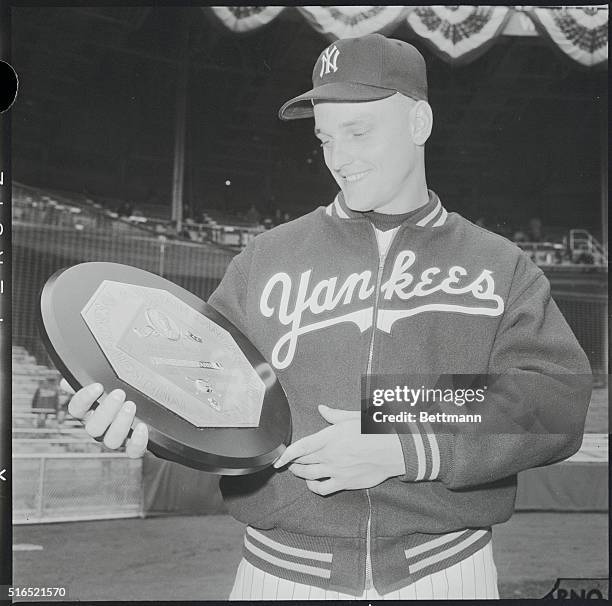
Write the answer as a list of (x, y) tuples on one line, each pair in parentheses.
[(361, 69)]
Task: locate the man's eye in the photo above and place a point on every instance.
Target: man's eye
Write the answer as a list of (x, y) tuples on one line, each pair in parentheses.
[(360, 133)]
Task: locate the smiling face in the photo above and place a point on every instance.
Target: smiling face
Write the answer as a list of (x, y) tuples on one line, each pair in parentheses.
[(374, 150)]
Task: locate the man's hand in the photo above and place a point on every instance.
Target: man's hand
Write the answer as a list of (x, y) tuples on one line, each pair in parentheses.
[(112, 418), (343, 455)]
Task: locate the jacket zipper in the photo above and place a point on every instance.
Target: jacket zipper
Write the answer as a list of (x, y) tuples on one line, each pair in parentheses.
[(369, 583)]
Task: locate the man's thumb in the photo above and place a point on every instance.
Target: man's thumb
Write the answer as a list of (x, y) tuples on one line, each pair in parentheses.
[(336, 415), (65, 386)]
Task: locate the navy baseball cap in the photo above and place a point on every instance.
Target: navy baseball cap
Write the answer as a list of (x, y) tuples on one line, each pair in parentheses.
[(362, 69)]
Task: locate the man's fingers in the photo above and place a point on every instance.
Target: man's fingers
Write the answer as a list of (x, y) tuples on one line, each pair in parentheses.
[(323, 487), (87, 416), (65, 386), (105, 413), (112, 418), (83, 399), (302, 447), (120, 426), (137, 444), (309, 472)]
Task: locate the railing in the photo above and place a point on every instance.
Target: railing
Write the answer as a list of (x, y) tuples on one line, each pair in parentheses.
[(545, 253), (234, 236), (53, 431), (581, 248), (35, 412), (62, 487), (582, 242)]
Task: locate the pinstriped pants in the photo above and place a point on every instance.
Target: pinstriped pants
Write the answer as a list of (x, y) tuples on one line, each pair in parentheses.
[(471, 579)]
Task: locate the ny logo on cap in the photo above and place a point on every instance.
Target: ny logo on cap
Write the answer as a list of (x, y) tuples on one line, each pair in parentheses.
[(328, 60)]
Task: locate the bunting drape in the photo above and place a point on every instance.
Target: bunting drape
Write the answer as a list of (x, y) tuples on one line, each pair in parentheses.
[(352, 21), (246, 18), (581, 33), (458, 34)]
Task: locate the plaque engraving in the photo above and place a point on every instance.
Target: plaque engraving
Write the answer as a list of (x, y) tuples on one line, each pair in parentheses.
[(174, 355)]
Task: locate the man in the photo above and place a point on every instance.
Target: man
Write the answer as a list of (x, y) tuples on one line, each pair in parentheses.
[(384, 281)]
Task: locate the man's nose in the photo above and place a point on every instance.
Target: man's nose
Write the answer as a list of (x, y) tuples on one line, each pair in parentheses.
[(340, 157)]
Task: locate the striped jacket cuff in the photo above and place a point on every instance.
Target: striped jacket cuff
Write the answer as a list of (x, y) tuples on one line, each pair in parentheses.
[(424, 453)]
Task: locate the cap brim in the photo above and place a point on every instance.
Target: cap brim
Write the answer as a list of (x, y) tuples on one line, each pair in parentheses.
[(346, 92)]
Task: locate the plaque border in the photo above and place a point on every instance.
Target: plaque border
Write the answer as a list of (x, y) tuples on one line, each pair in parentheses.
[(170, 436)]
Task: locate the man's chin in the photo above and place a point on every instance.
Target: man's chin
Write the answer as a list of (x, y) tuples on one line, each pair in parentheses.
[(356, 204)]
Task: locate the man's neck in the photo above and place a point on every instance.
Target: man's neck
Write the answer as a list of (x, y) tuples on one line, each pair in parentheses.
[(412, 199), (414, 195), (385, 221)]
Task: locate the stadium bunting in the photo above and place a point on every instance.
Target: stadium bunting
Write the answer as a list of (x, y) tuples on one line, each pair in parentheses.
[(246, 18), (458, 34), (581, 33), (351, 21)]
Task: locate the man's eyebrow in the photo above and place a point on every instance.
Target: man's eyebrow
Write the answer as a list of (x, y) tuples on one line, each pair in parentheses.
[(356, 122)]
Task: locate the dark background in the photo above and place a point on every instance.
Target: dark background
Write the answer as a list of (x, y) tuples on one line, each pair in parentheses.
[(518, 133)]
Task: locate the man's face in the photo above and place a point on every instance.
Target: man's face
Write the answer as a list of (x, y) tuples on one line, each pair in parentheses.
[(369, 150)]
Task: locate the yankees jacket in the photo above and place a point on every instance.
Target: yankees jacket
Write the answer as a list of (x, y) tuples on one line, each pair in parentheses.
[(327, 311)]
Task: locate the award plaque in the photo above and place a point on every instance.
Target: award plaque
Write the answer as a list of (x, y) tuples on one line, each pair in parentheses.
[(209, 398)]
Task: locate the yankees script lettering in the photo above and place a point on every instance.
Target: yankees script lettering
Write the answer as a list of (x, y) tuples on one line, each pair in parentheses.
[(325, 296)]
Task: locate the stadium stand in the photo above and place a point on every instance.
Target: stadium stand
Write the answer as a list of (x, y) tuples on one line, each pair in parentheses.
[(63, 209), (63, 474), (26, 377), (59, 472), (580, 248), (41, 426)]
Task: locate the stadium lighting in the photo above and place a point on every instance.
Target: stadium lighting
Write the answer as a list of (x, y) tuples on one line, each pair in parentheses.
[(228, 183)]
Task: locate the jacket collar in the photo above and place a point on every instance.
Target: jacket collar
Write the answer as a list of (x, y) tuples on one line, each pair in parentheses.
[(433, 214)]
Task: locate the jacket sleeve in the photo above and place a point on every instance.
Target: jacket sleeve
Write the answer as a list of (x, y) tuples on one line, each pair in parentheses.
[(229, 298), (534, 409)]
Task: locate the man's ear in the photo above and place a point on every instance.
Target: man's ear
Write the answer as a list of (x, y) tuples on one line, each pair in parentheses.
[(422, 122)]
